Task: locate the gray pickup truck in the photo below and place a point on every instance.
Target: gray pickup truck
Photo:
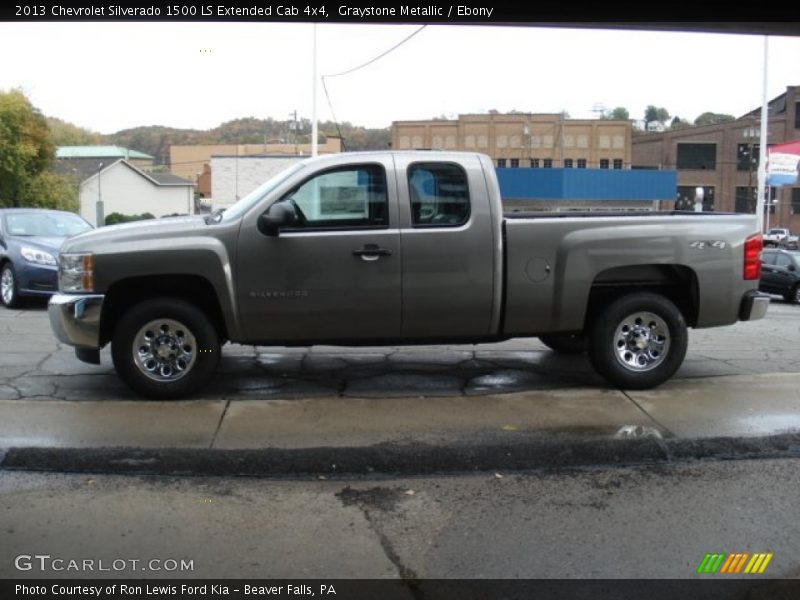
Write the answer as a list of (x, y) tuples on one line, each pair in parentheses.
[(401, 248)]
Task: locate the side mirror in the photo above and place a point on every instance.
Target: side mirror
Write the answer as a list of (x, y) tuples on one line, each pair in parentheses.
[(280, 214)]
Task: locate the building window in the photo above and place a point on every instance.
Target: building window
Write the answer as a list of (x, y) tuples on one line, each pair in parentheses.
[(535, 163), (697, 156), (747, 157), (568, 163), (687, 194), (548, 163), (745, 200), (797, 115), (617, 163), (796, 201), (604, 163), (581, 163), (501, 163), (514, 163)]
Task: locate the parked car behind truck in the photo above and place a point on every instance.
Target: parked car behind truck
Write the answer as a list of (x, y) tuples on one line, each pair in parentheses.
[(780, 274), (29, 242), (401, 248)]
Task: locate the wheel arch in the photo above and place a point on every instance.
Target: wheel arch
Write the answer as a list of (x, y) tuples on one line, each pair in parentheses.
[(125, 293), (678, 283)]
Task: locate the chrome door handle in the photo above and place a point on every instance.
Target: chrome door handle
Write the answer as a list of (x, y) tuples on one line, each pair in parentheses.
[(371, 252)]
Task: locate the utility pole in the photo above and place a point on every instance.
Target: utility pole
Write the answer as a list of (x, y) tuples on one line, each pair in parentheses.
[(314, 144)]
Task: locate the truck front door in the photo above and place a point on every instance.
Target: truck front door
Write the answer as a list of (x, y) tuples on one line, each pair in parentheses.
[(335, 274)]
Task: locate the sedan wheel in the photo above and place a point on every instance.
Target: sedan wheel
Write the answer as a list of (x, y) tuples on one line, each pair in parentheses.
[(8, 286)]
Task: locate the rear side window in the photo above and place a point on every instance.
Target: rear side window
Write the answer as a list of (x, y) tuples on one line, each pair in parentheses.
[(439, 195), (768, 258)]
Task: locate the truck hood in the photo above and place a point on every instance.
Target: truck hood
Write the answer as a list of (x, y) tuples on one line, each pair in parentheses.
[(105, 238)]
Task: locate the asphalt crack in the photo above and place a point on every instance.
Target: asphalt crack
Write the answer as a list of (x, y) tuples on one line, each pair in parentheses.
[(385, 500)]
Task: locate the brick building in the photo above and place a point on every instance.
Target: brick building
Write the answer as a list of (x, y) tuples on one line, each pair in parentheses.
[(524, 140), (723, 160)]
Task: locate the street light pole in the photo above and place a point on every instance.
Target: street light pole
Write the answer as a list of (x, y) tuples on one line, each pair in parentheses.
[(762, 151), (314, 143), (98, 208)]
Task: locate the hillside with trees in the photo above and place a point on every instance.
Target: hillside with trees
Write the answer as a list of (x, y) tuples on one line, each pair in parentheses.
[(156, 140)]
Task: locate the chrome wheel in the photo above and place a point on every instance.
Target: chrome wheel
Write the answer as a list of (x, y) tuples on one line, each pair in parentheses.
[(7, 286), (641, 341), (164, 350)]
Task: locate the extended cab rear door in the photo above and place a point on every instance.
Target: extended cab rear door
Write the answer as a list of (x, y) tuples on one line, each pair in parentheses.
[(449, 244)]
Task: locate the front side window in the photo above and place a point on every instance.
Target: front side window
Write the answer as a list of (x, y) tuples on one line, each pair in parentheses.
[(439, 195), (353, 196)]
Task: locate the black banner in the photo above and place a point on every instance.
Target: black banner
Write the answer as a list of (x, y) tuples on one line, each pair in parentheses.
[(705, 15), (432, 589)]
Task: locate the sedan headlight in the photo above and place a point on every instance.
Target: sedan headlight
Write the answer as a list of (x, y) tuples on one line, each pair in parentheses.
[(76, 273), (38, 257)]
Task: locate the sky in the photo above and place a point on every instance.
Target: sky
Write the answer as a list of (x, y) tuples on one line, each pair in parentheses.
[(108, 76)]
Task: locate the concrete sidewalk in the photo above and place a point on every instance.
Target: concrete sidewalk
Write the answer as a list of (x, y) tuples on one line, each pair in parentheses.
[(531, 429)]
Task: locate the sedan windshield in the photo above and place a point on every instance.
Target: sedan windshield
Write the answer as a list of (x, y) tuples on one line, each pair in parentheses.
[(45, 224)]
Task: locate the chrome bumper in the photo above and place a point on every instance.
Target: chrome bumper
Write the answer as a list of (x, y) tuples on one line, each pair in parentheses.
[(75, 319), (754, 306)]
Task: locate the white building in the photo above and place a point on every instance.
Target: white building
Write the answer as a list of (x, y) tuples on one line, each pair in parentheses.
[(122, 188), (233, 177)]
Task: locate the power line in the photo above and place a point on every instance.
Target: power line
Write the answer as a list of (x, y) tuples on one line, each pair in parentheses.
[(353, 70)]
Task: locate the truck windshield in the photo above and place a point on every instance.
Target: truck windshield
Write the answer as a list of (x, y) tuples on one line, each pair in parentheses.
[(251, 199)]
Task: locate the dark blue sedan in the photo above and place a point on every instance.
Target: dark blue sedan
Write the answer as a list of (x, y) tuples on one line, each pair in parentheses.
[(29, 243)]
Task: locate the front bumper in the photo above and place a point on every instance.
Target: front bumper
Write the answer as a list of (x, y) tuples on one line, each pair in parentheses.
[(75, 319), (754, 306)]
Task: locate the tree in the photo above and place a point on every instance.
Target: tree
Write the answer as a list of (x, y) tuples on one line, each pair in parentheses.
[(51, 190), (678, 123), (26, 148), (67, 134), (619, 113), (712, 118), (656, 114)]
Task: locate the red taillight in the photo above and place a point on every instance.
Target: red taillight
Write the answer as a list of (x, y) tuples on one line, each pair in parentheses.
[(752, 257)]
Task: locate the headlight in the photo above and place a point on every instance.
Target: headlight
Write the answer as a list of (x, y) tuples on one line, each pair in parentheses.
[(39, 257), (76, 273)]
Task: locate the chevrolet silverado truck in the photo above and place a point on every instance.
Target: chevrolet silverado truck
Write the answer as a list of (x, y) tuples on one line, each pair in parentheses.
[(401, 248)]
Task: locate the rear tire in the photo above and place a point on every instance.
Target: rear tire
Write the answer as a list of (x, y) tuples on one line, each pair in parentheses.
[(565, 343), (639, 341), (165, 348)]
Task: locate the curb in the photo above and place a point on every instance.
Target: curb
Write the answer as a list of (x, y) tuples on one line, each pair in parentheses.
[(397, 459)]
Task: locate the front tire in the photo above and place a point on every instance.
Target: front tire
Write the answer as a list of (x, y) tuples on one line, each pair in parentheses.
[(9, 288), (165, 348), (639, 341)]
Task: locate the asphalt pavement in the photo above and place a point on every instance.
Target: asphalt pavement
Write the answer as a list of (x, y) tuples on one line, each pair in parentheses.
[(329, 410)]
